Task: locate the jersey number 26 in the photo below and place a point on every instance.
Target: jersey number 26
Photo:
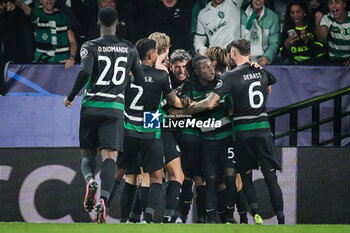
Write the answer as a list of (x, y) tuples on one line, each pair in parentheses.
[(117, 69)]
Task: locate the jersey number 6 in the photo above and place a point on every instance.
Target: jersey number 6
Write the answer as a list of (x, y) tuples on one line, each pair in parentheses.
[(252, 95)]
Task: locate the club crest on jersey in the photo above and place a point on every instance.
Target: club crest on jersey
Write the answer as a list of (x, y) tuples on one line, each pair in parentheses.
[(151, 120), (83, 53), (218, 84)]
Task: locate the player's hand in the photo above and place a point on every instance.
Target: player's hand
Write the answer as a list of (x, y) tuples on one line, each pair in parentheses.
[(318, 17), (255, 65), (314, 4), (263, 61), (10, 6), (291, 39), (230, 112), (347, 63), (67, 103), (161, 63), (304, 36), (192, 103), (68, 63), (186, 101)]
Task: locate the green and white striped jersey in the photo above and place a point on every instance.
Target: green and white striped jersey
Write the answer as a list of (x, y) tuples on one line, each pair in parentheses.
[(338, 36)]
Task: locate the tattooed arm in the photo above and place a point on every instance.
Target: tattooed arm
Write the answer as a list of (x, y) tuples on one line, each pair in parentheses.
[(177, 102), (208, 103)]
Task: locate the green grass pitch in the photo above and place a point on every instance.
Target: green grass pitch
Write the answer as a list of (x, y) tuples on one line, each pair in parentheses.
[(166, 228)]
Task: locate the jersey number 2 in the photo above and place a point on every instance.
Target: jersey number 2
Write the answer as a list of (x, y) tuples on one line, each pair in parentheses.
[(117, 69), (137, 97)]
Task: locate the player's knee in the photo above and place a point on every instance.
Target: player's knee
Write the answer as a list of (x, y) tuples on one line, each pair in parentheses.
[(270, 176), (176, 176), (199, 181), (230, 172), (221, 186), (267, 172), (156, 176), (88, 152), (119, 173), (131, 179), (109, 154), (211, 182)]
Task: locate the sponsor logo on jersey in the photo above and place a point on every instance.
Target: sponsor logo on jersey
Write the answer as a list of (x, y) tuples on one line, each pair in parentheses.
[(151, 120), (45, 36), (221, 14)]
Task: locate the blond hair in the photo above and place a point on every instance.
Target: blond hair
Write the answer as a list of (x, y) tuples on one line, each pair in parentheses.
[(219, 55), (162, 40)]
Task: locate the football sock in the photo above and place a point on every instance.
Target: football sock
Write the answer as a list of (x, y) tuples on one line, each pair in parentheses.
[(185, 199), (143, 197), (249, 192), (211, 200), (126, 201), (113, 192), (107, 178), (254, 208), (136, 207), (274, 191), (242, 207), (88, 166), (221, 195), (200, 201), (172, 193), (152, 201), (280, 217), (231, 196)]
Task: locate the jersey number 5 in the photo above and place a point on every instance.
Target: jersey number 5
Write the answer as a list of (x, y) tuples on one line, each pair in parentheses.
[(117, 69), (257, 93)]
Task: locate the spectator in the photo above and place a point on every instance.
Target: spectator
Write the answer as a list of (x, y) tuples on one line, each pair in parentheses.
[(126, 26), (172, 17), (198, 6), (15, 34), (319, 5), (218, 24), (299, 43), (335, 28), (260, 25), (54, 38)]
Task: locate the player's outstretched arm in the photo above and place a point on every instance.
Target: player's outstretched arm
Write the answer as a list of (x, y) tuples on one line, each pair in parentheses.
[(175, 101), (81, 80), (210, 102)]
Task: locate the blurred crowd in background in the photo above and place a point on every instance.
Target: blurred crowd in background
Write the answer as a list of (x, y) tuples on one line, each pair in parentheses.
[(280, 31)]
